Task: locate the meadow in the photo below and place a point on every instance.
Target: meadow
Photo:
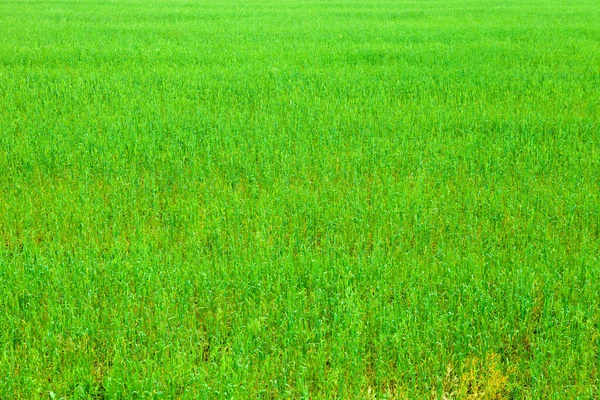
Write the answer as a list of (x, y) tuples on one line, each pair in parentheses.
[(299, 199)]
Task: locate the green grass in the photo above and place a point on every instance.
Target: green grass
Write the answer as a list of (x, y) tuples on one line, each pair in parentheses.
[(265, 199)]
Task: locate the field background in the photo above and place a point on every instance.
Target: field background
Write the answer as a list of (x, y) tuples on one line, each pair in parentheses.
[(241, 199)]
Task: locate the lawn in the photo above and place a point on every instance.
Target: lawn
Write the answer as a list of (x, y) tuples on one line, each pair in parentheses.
[(299, 199)]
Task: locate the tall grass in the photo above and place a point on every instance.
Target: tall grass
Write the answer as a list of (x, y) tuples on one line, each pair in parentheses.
[(353, 199)]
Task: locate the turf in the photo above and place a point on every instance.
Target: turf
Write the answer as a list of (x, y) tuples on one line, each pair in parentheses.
[(319, 199)]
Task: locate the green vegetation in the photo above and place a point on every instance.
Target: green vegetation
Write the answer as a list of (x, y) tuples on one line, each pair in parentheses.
[(344, 198)]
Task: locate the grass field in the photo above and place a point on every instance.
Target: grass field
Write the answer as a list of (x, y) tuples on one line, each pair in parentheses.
[(320, 199)]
